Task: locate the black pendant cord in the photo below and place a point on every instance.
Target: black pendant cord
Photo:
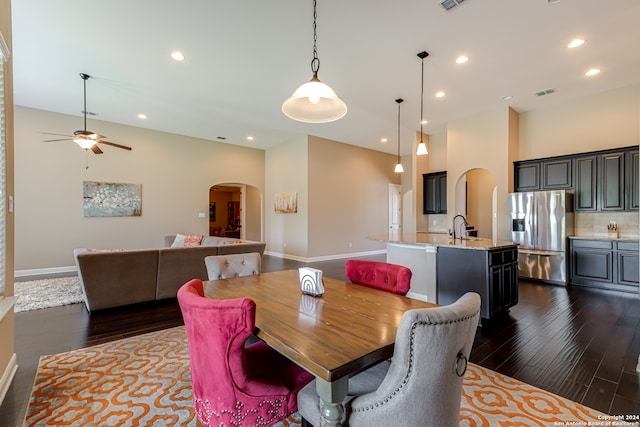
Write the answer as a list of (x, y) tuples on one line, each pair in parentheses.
[(422, 55), (399, 101), (315, 62), (421, 101)]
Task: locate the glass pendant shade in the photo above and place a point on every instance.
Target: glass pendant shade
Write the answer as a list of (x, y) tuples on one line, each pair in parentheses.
[(422, 149), (399, 168), (314, 102)]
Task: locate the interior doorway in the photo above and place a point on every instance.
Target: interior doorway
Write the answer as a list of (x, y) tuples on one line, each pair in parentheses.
[(235, 210), (476, 199), (395, 209)]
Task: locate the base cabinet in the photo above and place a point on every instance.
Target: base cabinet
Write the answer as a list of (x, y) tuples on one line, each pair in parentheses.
[(605, 264), (493, 274)]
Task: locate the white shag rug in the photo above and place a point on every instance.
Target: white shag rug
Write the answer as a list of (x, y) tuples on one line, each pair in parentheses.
[(46, 293)]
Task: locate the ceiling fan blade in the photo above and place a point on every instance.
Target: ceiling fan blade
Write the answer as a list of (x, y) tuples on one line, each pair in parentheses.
[(54, 140), (58, 134), (96, 149), (113, 144)]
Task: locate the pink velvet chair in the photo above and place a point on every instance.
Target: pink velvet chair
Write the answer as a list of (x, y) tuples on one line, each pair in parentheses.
[(234, 384), (380, 275)]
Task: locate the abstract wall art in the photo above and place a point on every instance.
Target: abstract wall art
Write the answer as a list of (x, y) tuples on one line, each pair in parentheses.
[(107, 199), (286, 202)]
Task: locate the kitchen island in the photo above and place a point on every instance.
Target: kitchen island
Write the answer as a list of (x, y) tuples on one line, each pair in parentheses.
[(444, 269)]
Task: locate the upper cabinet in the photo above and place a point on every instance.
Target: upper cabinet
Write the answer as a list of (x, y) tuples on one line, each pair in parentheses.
[(611, 172), (601, 181), (435, 193), (632, 173), (585, 196), (551, 174)]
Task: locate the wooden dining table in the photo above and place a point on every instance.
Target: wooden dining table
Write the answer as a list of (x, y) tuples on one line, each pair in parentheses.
[(334, 336)]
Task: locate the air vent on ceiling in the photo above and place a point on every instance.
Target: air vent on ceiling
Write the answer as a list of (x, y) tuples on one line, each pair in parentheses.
[(222, 138), (545, 92), (450, 4), (88, 113)]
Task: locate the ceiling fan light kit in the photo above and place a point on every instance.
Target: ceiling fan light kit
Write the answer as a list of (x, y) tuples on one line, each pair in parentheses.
[(87, 140), (314, 101)]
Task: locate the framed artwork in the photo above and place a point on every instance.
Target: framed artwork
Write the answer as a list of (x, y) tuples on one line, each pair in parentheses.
[(108, 199), (286, 202)]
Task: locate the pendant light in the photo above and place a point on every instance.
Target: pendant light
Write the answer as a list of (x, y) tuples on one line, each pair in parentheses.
[(399, 168), (314, 101), (422, 147)]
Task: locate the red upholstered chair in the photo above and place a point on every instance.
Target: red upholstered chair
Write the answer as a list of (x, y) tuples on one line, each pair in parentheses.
[(234, 384), (380, 275)]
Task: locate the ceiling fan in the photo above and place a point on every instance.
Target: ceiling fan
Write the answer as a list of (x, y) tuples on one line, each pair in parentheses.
[(86, 139)]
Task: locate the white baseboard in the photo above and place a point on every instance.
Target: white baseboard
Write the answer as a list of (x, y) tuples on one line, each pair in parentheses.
[(45, 271), (7, 377), (326, 257)]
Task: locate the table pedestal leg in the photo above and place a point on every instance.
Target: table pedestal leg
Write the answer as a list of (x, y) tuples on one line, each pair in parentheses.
[(332, 394)]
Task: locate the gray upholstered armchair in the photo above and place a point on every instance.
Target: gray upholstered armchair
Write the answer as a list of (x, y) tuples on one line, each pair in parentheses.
[(232, 265), (422, 385)]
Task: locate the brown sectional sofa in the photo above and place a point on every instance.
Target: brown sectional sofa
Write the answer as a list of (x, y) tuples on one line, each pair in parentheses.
[(113, 278)]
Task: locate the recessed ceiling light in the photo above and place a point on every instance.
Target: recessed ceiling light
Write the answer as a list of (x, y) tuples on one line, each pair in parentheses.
[(462, 59), (440, 94), (384, 140), (249, 138), (507, 98), (575, 43), (142, 116), (178, 56), (424, 122), (592, 72)]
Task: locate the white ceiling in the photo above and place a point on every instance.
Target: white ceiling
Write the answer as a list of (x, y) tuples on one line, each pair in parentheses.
[(245, 57)]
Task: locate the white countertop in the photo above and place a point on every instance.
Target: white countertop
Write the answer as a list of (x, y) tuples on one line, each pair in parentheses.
[(442, 240)]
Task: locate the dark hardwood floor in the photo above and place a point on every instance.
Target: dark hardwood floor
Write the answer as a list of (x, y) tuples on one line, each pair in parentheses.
[(579, 343)]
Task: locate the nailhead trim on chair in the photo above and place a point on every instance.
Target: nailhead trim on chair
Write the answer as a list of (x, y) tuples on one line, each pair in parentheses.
[(414, 325), (204, 412)]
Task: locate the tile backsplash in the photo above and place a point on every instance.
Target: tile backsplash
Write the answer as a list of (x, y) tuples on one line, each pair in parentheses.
[(594, 224)]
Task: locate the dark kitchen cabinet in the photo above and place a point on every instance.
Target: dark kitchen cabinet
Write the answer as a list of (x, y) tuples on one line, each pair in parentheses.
[(611, 171), (606, 180), (434, 193), (527, 176), (633, 180), (605, 264), (557, 174), (586, 174), (493, 274)]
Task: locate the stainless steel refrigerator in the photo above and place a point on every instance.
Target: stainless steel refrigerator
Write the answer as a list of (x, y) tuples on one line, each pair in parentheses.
[(540, 222)]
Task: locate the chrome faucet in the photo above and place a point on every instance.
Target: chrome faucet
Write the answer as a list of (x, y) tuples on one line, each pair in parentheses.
[(453, 225)]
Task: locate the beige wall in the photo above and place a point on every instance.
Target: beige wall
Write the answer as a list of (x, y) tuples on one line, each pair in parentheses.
[(480, 142), (7, 355), (286, 171), (175, 171), (607, 120), (348, 197), (435, 161)]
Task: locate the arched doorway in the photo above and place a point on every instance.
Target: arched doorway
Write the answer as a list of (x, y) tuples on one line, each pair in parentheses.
[(235, 210), (476, 199)]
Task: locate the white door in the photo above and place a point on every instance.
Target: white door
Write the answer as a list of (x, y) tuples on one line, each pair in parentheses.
[(395, 208)]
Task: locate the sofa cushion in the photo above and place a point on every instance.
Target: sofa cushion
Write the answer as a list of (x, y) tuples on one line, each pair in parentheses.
[(116, 278), (177, 266)]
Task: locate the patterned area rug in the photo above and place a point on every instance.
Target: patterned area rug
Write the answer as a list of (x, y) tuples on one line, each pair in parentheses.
[(45, 293), (145, 381)]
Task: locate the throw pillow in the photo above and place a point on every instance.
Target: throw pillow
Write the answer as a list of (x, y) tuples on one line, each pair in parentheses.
[(186, 240), (192, 239)]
